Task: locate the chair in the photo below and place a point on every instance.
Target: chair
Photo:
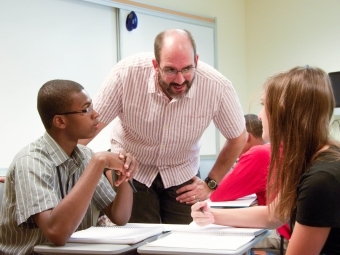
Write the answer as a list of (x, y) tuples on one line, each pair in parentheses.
[(268, 251)]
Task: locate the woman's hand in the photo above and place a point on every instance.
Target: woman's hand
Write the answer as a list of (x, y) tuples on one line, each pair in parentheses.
[(201, 213)]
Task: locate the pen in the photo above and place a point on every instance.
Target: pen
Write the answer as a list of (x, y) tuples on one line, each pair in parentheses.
[(201, 209), (132, 186)]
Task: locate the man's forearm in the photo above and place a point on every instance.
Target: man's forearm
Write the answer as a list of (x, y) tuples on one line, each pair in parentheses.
[(227, 157)]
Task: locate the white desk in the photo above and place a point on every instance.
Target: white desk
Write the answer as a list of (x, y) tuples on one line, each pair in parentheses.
[(94, 249), (89, 249), (245, 249)]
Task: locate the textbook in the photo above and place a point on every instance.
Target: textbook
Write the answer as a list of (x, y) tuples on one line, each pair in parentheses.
[(115, 234), (213, 237)]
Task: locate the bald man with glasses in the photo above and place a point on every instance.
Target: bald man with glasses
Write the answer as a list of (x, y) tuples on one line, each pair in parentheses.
[(161, 104)]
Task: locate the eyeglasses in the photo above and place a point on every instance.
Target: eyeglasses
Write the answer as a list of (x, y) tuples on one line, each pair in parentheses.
[(87, 110), (172, 72)]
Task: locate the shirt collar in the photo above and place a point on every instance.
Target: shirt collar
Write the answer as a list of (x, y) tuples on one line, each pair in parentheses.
[(58, 155)]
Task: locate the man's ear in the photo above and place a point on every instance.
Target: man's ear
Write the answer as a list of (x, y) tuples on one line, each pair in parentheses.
[(59, 121), (155, 64), (196, 60)]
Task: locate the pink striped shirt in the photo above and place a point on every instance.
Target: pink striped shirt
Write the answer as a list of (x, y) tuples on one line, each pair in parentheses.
[(164, 135)]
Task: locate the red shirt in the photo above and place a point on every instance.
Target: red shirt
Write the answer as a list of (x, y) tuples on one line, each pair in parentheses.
[(248, 176)]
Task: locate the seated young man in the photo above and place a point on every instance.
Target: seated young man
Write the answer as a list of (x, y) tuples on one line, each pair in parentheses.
[(52, 182), (249, 176)]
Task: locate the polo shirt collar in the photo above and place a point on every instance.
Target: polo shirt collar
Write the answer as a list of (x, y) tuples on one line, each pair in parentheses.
[(58, 155)]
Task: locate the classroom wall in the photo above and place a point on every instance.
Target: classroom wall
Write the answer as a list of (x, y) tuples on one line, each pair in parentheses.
[(283, 34), (255, 38), (42, 40)]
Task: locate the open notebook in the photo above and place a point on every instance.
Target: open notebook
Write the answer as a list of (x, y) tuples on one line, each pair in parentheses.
[(213, 237), (115, 234)]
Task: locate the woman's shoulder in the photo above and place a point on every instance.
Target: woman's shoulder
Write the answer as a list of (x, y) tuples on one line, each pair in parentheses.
[(327, 162)]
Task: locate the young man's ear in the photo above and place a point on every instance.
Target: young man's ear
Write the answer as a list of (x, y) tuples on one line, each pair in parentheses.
[(59, 121)]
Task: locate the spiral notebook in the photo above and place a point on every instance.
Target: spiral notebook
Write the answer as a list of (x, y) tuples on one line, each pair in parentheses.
[(213, 237), (115, 234)]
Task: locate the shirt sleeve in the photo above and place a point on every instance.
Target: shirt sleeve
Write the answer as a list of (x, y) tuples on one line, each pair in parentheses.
[(318, 200), (248, 176), (229, 118), (108, 101), (35, 188)]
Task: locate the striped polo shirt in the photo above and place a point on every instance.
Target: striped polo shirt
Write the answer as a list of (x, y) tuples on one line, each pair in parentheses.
[(165, 135), (39, 177)]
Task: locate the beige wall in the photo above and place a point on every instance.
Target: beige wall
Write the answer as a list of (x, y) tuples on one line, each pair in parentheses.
[(283, 34)]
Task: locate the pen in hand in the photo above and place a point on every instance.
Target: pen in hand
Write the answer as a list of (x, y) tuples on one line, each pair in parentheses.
[(201, 209), (132, 186)]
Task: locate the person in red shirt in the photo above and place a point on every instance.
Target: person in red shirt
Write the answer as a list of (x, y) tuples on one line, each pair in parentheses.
[(251, 170), (249, 176)]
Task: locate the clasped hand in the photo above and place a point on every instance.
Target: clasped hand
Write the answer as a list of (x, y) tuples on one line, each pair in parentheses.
[(124, 165)]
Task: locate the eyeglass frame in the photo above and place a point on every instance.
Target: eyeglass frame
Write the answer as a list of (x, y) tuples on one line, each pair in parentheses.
[(175, 71), (87, 110)]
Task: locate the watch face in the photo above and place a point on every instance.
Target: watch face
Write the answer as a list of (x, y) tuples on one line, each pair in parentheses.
[(212, 184)]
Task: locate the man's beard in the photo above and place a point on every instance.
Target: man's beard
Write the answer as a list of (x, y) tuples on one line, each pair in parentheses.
[(167, 87)]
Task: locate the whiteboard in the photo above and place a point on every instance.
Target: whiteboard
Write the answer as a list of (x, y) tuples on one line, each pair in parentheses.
[(142, 39), (44, 40)]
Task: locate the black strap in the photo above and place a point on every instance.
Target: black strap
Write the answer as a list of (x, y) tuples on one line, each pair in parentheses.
[(281, 244)]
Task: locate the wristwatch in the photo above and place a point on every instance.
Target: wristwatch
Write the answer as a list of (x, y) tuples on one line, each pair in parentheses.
[(212, 184)]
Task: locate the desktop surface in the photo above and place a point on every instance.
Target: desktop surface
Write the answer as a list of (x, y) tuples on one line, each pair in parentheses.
[(96, 248), (91, 248), (141, 248), (148, 250)]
